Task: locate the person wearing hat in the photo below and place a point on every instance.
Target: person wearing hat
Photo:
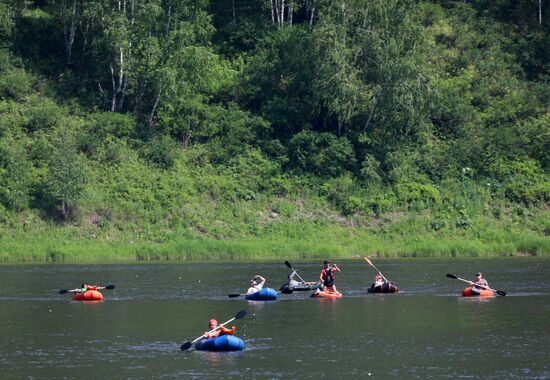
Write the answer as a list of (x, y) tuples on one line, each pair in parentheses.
[(214, 331), (479, 283), (327, 277), (256, 284)]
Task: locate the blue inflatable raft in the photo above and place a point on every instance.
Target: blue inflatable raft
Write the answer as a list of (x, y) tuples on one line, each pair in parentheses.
[(266, 294), (220, 343)]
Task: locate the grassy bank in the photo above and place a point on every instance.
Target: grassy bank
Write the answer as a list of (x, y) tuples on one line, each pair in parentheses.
[(327, 243)]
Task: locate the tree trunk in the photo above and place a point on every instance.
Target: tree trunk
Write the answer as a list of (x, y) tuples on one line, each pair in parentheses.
[(153, 110), (282, 19), (312, 14), (290, 10), (69, 31), (63, 209)]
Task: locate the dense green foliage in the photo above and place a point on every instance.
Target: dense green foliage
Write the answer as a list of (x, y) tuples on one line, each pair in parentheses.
[(188, 129)]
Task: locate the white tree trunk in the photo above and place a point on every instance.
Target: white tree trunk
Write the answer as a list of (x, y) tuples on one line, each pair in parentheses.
[(312, 14), (69, 31), (153, 110)]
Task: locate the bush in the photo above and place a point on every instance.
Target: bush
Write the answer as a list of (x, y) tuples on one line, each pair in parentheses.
[(523, 181), (15, 84), (412, 192), (353, 205), (161, 150), (43, 114), (15, 175), (322, 154)]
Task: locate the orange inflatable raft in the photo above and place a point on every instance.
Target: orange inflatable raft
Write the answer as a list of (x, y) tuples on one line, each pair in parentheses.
[(467, 292), (88, 295), (322, 294)]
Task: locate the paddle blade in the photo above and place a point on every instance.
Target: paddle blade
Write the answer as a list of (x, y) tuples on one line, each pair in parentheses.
[(63, 291), (501, 293), (110, 287), (233, 295), (288, 265), (185, 346), (240, 314), (368, 261), (451, 276)]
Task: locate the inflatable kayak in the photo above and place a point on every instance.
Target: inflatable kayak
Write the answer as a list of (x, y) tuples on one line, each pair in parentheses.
[(266, 294), (322, 294), (300, 287), (467, 292), (220, 343), (88, 295), (386, 287)]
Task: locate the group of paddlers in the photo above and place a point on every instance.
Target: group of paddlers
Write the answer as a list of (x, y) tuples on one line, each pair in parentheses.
[(326, 284)]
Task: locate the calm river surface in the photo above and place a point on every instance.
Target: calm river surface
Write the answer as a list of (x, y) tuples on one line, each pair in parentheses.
[(426, 331)]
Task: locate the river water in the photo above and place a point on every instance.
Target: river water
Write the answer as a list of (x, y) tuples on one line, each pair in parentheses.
[(425, 331)]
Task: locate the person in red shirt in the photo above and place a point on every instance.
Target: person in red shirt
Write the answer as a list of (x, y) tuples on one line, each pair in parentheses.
[(212, 325)]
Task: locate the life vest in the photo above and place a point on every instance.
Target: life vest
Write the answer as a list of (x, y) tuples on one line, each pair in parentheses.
[(328, 277), (225, 331)]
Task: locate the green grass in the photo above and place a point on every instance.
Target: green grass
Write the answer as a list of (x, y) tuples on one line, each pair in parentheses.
[(269, 248)]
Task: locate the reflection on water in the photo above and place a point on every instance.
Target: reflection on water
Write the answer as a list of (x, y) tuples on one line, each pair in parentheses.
[(425, 331)]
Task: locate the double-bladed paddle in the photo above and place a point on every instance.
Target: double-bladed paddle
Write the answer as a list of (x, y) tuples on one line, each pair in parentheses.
[(499, 292), (294, 270), (372, 265), (239, 315), (63, 291)]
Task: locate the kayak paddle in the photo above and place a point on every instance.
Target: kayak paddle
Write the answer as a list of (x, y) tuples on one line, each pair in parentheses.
[(294, 270), (499, 292), (284, 291), (110, 287), (239, 315), (372, 265)]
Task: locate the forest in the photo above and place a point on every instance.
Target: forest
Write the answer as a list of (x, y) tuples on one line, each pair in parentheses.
[(256, 129)]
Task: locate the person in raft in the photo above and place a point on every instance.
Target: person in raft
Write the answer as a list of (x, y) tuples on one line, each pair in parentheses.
[(327, 277), (212, 324), (479, 281), (294, 281), (378, 281), (84, 288), (256, 284)]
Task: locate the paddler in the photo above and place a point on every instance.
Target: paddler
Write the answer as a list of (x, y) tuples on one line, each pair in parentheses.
[(84, 288), (327, 277), (378, 281), (292, 281), (479, 281), (256, 284), (213, 324)]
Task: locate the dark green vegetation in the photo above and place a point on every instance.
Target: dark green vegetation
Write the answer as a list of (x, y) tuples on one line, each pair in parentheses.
[(165, 129)]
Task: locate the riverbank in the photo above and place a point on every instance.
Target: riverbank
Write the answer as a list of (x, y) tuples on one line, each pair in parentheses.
[(49, 249)]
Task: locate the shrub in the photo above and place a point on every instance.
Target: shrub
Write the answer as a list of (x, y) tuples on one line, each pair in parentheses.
[(161, 150), (323, 154), (15, 84), (43, 114), (15, 175), (352, 205), (411, 192), (523, 181)]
